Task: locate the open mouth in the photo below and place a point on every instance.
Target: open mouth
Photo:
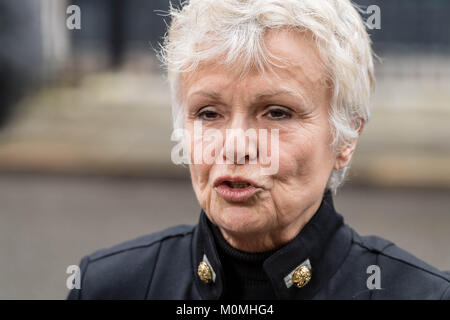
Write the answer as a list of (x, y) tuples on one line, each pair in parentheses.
[(237, 184), (235, 189)]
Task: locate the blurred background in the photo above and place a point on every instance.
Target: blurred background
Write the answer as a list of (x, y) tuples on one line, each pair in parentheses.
[(85, 137)]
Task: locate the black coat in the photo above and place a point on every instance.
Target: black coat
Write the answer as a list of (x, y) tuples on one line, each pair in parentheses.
[(164, 265)]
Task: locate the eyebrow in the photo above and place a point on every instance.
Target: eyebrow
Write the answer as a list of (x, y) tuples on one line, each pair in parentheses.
[(214, 95), (270, 94)]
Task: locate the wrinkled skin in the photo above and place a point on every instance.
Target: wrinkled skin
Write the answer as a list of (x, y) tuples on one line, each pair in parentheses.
[(294, 99)]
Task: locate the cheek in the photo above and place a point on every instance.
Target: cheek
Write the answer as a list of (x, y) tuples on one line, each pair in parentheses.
[(304, 154), (200, 177), (296, 152)]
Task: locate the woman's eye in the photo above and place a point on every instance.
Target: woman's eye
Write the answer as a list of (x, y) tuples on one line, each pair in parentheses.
[(208, 115), (278, 114)]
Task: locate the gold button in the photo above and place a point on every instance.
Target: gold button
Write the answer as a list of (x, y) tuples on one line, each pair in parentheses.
[(301, 276), (204, 272)]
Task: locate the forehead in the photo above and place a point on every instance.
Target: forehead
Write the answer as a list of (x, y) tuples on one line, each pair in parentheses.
[(296, 64)]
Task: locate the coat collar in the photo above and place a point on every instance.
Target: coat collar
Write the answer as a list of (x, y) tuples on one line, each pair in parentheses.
[(318, 244)]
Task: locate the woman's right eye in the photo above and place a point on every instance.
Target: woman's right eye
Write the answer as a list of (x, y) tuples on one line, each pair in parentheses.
[(207, 115)]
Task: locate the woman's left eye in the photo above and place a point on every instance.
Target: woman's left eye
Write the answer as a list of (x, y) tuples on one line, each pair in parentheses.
[(277, 113)]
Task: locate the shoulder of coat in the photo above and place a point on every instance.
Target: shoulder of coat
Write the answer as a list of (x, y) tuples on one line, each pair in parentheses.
[(397, 256), (144, 241)]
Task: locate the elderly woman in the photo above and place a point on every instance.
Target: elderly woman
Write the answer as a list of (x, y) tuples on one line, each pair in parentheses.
[(301, 73)]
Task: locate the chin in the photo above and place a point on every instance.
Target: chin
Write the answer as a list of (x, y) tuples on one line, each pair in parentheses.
[(240, 219)]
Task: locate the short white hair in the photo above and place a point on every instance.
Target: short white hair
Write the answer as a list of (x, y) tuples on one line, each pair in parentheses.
[(202, 30)]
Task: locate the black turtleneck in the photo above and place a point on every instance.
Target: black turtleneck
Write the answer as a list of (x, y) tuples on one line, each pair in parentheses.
[(244, 273)]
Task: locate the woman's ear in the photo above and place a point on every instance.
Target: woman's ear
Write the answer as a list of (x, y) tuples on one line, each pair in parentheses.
[(344, 157)]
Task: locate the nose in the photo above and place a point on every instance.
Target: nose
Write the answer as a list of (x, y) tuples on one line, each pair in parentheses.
[(241, 143)]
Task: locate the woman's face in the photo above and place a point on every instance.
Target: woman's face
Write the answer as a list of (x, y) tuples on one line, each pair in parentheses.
[(255, 211)]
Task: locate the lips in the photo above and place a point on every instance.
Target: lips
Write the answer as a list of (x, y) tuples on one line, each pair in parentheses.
[(235, 189)]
